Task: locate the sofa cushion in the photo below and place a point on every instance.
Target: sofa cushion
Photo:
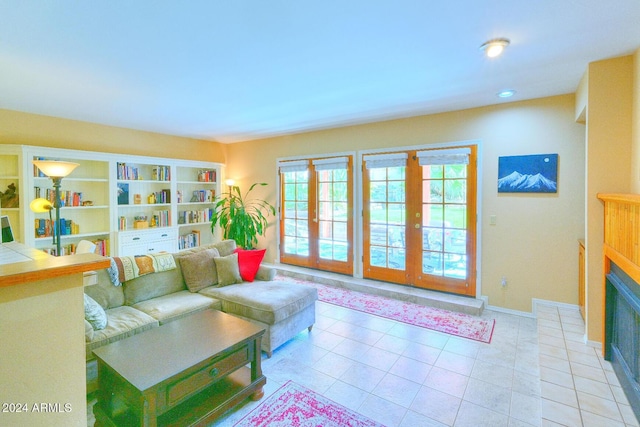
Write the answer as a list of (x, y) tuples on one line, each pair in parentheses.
[(228, 270), (122, 322), (176, 305), (94, 313), (199, 270), (249, 262), (153, 285), (267, 302), (104, 292)]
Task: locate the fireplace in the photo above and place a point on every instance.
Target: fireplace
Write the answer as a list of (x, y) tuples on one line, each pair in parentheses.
[(622, 291), (622, 332)]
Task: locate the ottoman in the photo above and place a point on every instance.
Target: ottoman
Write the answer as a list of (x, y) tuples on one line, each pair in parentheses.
[(283, 309)]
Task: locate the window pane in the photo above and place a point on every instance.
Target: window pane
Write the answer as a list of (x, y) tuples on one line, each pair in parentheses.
[(302, 228), (324, 210), (378, 192), (378, 256), (455, 216), (455, 171), (302, 191), (302, 210), (397, 258), (396, 173), (432, 215), (324, 191), (340, 251), (455, 266), (396, 236), (340, 175), (378, 234), (289, 191), (432, 263), (396, 213), (456, 241), (340, 231), (432, 191), (340, 191), (325, 229), (340, 211), (325, 249), (455, 191), (378, 174), (396, 191), (432, 171)]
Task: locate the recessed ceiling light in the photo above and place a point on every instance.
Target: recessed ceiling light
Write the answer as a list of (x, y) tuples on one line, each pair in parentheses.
[(494, 47), (506, 93)]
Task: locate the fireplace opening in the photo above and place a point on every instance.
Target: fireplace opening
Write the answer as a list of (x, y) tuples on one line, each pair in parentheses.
[(622, 332)]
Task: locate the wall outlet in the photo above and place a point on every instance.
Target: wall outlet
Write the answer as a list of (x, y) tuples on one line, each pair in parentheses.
[(503, 282)]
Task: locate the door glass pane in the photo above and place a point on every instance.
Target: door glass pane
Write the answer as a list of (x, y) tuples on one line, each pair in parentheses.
[(296, 213), (332, 215), (444, 233), (387, 218)]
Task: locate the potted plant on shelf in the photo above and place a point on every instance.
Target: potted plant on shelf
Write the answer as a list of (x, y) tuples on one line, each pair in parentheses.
[(241, 219)]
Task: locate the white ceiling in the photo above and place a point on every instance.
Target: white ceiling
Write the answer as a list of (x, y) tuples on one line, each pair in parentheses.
[(244, 69)]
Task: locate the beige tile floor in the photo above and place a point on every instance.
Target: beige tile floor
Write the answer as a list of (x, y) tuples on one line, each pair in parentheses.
[(535, 372)]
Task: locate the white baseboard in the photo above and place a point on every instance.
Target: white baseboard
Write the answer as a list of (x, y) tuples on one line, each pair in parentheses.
[(504, 310), (536, 301)]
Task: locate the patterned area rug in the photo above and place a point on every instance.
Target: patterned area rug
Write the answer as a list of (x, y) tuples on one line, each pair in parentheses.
[(459, 324), (293, 405)]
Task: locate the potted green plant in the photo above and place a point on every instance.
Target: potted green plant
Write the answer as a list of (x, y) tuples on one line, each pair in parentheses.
[(241, 218)]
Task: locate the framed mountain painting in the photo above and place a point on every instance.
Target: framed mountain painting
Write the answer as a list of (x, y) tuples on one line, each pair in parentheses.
[(536, 173)]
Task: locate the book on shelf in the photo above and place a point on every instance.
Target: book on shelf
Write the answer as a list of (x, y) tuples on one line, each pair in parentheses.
[(123, 193), (208, 175), (125, 172), (46, 228), (191, 240), (161, 173)]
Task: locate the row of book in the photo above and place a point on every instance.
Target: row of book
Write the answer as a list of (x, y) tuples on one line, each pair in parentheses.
[(158, 173), (67, 198), (37, 172), (193, 217), (208, 175), (197, 196), (163, 196), (191, 240), (45, 227), (102, 248), (160, 219)]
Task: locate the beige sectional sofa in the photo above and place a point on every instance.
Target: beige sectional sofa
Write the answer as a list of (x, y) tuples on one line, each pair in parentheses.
[(150, 300)]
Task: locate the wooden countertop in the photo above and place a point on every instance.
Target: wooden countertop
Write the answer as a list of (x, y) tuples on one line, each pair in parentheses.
[(38, 267)]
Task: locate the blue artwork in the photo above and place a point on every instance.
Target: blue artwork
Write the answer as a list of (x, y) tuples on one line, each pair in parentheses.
[(528, 174)]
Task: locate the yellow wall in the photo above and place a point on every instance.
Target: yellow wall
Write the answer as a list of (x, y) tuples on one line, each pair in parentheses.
[(534, 243), (608, 166), (33, 129), (635, 127)]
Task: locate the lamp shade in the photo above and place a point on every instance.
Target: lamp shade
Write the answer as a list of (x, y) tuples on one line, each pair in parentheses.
[(55, 168), (40, 205)]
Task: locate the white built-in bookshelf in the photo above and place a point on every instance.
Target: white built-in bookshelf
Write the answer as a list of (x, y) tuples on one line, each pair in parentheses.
[(129, 205)]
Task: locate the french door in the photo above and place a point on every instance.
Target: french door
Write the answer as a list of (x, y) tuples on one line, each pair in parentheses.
[(419, 218), (316, 213)]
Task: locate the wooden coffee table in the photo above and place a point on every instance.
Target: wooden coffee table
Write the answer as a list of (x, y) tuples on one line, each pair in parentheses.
[(186, 372)]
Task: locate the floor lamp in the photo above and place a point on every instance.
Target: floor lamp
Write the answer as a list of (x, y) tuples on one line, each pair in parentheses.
[(56, 170)]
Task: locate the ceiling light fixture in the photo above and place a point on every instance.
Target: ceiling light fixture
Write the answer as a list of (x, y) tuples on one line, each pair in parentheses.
[(506, 93), (494, 47)]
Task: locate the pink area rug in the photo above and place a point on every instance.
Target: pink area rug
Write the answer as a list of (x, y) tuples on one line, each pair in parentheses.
[(293, 405), (458, 324)]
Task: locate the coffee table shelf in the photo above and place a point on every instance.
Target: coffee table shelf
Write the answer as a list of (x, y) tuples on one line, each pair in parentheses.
[(211, 363)]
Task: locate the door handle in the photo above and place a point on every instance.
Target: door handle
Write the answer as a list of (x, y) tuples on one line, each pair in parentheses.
[(417, 226)]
